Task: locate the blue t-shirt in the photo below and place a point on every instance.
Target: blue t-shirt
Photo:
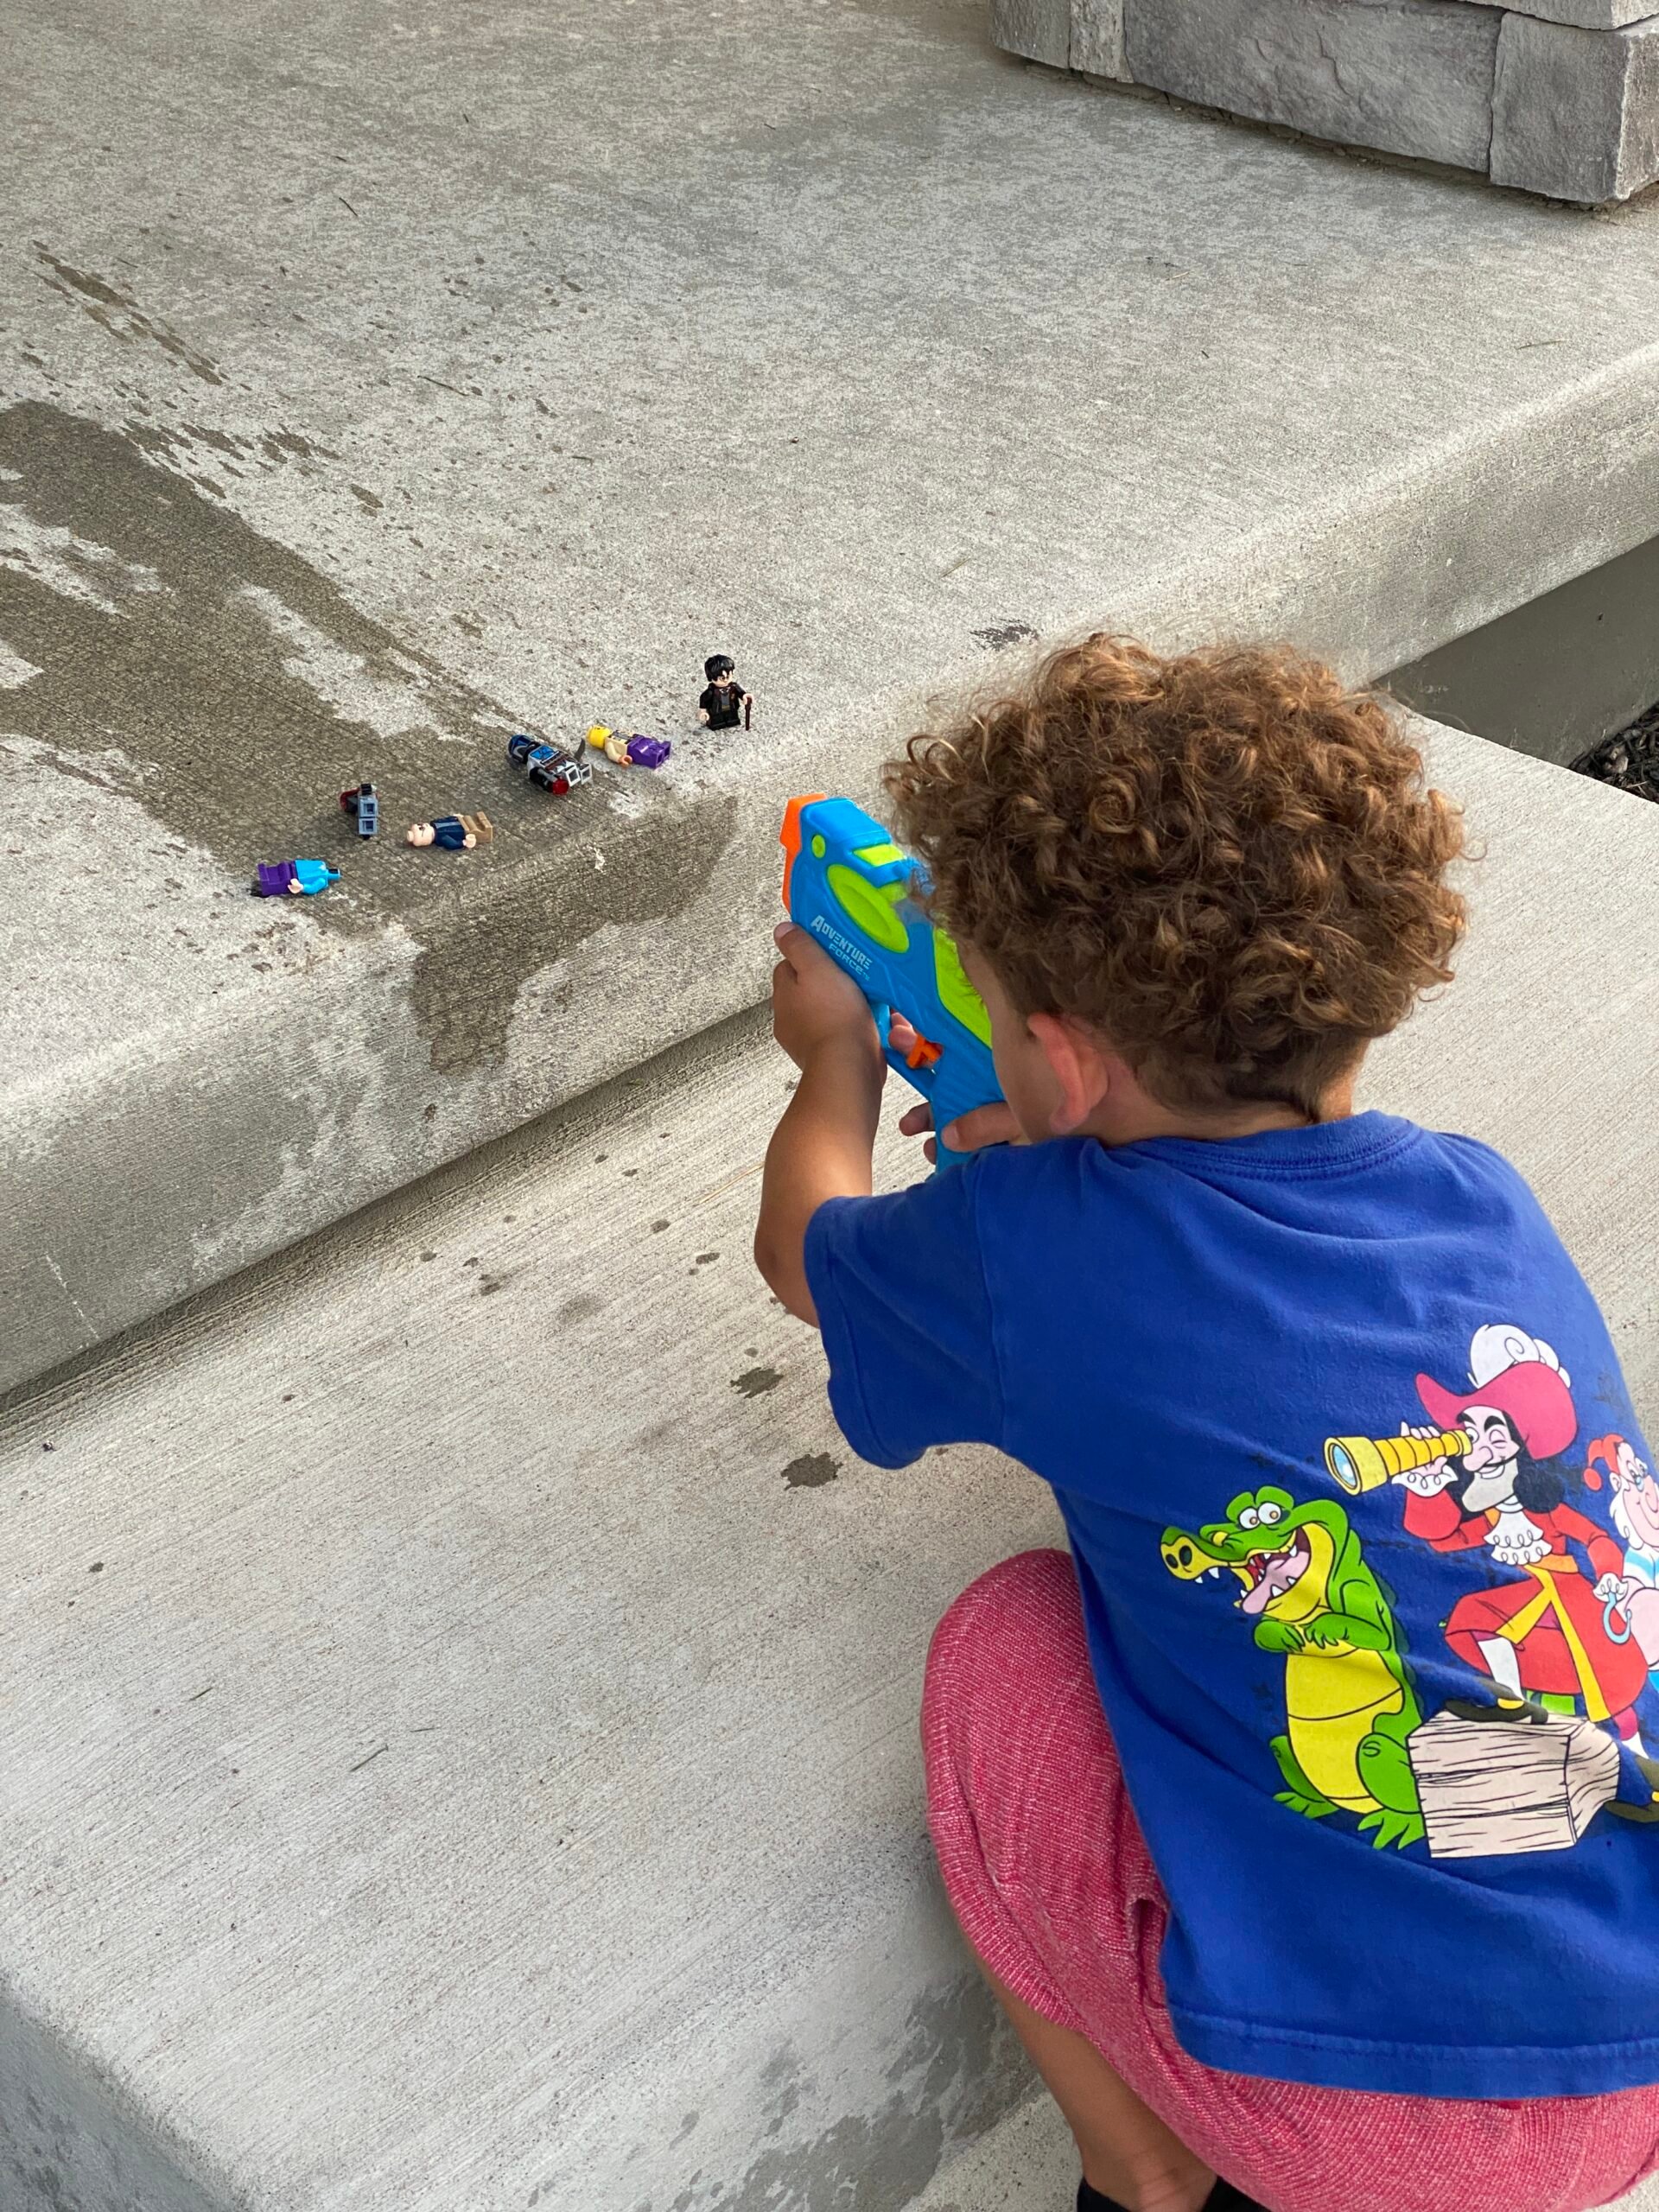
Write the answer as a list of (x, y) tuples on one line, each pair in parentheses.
[(1374, 1695)]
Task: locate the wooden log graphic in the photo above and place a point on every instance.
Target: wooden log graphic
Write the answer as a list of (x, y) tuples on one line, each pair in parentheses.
[(1489, 1789)]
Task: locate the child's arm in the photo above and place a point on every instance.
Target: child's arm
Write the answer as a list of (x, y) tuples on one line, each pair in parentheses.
[(822, 1147)]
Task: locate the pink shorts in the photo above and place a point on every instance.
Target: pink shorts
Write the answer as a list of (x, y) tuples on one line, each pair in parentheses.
[(1051, 1882)]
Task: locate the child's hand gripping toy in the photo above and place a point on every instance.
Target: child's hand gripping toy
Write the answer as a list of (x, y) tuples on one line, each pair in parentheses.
[(850, 886)]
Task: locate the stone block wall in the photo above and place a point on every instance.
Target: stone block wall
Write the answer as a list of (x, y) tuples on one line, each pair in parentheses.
[(1560, 97)]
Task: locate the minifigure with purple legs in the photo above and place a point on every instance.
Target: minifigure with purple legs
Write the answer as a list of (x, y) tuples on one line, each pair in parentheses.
[(636, 752), (298, 878)]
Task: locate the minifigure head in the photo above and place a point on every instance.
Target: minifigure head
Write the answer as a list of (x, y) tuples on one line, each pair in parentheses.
[(718, 668), (419, 833)]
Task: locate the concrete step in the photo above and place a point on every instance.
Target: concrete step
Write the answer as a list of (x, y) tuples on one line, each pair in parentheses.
[(1025, 2163), (388, 385), (459, 1716)]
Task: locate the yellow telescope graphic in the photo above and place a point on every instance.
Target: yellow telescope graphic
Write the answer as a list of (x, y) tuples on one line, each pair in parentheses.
[(1362, 1463)]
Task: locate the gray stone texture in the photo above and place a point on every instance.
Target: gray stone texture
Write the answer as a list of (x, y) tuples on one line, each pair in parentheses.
[(1407, 76), (1039, 29), (1098, 39), (1576, 113), (1588, 15)]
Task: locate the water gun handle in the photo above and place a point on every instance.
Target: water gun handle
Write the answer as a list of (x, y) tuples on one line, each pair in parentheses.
[(848, 886)]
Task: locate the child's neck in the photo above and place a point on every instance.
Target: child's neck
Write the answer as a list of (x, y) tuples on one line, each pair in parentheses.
[(1130, 1116)]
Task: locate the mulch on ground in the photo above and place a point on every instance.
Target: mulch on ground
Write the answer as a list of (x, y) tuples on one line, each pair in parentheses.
[(1629, 759)]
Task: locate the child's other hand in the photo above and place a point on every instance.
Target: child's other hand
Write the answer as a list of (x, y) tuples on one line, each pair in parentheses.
[(814, 1003), (969, 1132)]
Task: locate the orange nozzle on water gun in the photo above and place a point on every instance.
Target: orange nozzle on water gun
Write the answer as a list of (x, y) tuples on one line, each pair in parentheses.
[(790, 836)]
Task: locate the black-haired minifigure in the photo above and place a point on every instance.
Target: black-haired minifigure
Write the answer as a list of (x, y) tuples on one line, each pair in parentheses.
[(725, 699)]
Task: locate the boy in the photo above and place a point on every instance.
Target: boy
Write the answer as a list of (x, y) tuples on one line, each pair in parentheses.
[(1364, 1921)]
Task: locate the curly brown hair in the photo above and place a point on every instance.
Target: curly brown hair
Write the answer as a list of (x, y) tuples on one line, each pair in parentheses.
[(1226, 863)]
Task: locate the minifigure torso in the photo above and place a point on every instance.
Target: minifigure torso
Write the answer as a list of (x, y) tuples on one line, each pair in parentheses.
[(723, 704)]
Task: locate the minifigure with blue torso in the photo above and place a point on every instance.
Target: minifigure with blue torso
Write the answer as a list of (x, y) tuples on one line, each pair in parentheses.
[(452, 833), (298, 878)]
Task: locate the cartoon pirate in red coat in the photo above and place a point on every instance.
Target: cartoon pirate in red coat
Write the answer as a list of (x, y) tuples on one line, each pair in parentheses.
[(1547, 1633)]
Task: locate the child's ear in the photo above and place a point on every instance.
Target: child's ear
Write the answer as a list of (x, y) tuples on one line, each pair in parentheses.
[(1077, 1066)]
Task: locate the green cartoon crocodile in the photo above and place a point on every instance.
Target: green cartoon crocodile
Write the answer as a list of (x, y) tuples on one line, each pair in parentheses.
[(1348, 1699)]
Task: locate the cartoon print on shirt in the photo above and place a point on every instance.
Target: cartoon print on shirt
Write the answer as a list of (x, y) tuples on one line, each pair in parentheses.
[(1634, 1509), (1349, 1702), (1547, 1637), (1553, 1646)]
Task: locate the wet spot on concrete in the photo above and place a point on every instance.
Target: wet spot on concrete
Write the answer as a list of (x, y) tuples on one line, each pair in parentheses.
[(657, 1227), (755, 1382), (705, 1258), (581, 1307), (222, 441), (810, 1472), (999, 636), (488, 1285), (365, 498), (167, 652), (116, 310), (285, 441), (955, 2072), (429, 1255)]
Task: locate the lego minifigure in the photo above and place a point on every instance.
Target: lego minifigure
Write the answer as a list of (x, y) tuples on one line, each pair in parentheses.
[(721, 703), (636, 752), (300, 879), (548, 767), (361, 801), (452, 833)]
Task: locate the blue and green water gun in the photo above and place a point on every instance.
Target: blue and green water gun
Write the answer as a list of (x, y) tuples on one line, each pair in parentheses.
[(847, 884)]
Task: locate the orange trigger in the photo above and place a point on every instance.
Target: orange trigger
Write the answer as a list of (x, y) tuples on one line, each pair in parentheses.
[(923, 1052)]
